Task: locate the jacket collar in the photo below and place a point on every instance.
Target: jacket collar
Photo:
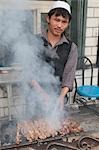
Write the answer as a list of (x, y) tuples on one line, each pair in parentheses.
[(62, 40)]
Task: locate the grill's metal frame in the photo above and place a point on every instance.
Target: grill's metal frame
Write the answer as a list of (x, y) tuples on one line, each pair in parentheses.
[(81, 143)]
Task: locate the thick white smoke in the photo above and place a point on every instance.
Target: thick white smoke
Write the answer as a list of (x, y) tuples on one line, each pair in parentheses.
[(24, 48)]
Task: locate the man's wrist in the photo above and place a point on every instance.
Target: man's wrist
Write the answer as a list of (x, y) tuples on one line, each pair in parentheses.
[(64, 91)]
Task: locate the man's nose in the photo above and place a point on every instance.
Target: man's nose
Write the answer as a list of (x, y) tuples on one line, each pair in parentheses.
[(59, 24)]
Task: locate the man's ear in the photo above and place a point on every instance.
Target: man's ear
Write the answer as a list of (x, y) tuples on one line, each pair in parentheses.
[(47, 19)]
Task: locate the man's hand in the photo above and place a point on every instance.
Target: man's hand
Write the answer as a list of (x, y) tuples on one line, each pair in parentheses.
[(63, 93)]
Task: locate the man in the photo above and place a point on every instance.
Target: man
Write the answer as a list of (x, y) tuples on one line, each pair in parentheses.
[(62, 52)]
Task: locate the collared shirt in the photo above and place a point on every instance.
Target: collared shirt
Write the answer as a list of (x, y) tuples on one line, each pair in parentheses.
[(70, 67)]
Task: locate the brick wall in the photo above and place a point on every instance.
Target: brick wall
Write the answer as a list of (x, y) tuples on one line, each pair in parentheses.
[(92, 25), (92, 29)]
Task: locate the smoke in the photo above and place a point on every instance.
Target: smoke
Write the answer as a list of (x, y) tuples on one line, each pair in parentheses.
[(18, 45)]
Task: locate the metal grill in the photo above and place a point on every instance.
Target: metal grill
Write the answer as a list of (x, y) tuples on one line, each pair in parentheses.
[(82, 143)]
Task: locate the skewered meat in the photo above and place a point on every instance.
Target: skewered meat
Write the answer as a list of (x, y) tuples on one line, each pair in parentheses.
[(42, 129), (18, 135), (70, 126)]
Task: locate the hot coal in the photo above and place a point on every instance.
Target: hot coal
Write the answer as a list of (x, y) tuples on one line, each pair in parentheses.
[(8, 132)]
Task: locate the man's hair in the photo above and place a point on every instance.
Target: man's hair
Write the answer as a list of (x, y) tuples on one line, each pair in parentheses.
[(60, 12)]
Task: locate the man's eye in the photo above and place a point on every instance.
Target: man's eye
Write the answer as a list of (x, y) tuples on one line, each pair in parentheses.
[(64, 22)]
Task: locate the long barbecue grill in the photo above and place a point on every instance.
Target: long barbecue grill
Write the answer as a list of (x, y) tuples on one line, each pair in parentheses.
[(86, 139)]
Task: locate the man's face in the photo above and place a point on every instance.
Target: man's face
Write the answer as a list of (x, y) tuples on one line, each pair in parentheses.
[(57, 24)]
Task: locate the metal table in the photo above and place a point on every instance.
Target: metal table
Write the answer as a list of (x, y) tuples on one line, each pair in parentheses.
[(8, 79)]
